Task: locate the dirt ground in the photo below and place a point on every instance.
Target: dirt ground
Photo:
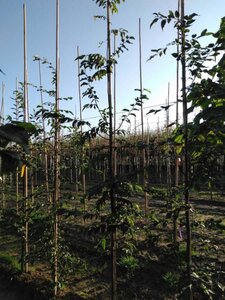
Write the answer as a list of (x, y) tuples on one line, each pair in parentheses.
[(160, 270)]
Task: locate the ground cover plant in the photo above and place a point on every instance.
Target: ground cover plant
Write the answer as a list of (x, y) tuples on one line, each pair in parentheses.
[(81, 228)]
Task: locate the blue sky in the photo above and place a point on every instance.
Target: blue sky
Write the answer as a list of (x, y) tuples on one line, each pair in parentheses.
[(78, 27)]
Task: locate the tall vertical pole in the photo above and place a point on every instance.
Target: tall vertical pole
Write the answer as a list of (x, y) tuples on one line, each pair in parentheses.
[(81, 118), (178, 69), (167, 133), (25, 61), (1, 123), (44, 134), (177, 160), (17, 175), (2, 105), (111, 175), (79, 89), (56, 159), (140, 76), (177, 99), (114, 109), (25, 176), (186, 159), (143, 161)]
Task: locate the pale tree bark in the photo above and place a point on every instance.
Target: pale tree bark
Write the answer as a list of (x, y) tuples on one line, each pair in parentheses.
[(177, 161), (114, 109), (56, 164), (44, 136), (83, 176), (111, 169), (143, 156), (186, 155), (17, 170), (25, 248)]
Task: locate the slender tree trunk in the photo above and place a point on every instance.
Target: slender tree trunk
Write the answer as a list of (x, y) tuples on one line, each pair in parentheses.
[(186, 155), (3, 183), (177, 161), (177, 100), (2, 105), (143, 159), (56, 162), (114, 114), (44, 136), (169, 181), (17, 170), (111, 169), (83, 177), (24, 262)]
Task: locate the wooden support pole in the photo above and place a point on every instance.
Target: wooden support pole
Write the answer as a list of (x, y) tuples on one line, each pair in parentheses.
[(186, 153)]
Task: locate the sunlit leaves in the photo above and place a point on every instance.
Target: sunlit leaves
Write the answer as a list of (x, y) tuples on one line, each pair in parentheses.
[(113, 4)]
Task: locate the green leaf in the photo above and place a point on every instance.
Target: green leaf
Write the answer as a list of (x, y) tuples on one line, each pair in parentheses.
[(153, 22), (179, 139), (103, 243), (177, 14), (163, 23), (29, 127), (175, 55)]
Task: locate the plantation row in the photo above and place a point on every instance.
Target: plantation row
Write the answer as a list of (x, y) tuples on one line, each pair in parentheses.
[(99, 214), (159, 152)]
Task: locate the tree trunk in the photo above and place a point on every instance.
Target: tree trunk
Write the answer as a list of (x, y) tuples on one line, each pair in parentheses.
[(56, 162), (24, 262), (186, 158), (143, 159), (111, 169)]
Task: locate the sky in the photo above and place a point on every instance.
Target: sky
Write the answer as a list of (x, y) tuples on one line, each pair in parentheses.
[(79, 28)]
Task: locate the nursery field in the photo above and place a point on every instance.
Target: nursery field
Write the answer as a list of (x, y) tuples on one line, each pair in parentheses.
[(107, 207), (150, 265)]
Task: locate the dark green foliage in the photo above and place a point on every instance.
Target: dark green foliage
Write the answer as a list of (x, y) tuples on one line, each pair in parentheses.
[(17, 133), (11, 160), (158, 193), (13, 133), (125, 210)]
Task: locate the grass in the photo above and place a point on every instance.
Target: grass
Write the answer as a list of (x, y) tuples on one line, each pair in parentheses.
[(11, 261)]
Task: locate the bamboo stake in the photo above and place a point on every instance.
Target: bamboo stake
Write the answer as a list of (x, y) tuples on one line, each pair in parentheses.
[(186, 160), (56, 159), (25, 61), (111, 169), (140, 74), (76, 163), (2, 105), (167, 133), (177, 161), (177, 101), (143, 161), (1, 123), (17, 171), (44, 135), (24, 261), (114, 107)]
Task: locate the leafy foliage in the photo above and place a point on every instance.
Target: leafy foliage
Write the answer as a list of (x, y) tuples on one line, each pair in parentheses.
[(18, 133), (113, 4)]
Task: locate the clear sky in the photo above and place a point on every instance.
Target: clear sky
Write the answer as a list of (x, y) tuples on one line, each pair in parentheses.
[(78, 27)]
